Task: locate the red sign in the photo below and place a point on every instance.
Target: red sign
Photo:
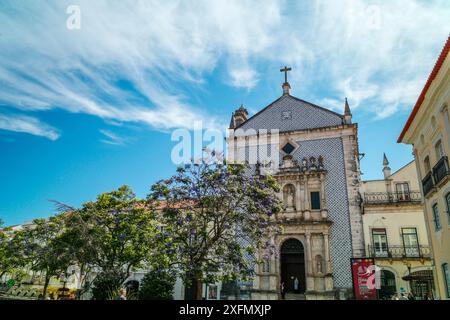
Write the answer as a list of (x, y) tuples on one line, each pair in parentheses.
[(363, 271)]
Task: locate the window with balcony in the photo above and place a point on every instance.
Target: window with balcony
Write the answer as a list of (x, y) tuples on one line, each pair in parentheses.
[(436, 218), (441, 170), (410, 242), (402, 190), (380, 245), (315, 200)]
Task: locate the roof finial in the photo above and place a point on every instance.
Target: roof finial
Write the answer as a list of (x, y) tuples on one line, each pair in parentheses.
[(385, 160), (386, 169), (286, 86), (347, 108), (347, 113)]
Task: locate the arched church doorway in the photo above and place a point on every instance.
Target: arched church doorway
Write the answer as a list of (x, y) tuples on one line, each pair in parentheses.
[(293, 266), (387, 286)]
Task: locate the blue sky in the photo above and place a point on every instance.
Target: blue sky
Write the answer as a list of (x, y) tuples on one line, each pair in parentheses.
[(85, 111)]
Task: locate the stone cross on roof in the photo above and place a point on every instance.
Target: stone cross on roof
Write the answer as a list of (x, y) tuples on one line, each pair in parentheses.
[(285, 70), (285, 85)]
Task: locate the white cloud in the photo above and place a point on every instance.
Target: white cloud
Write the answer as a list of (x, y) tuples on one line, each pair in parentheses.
[(26, 124), (378, 53), (112, 138), (243, 77), (332, 104)]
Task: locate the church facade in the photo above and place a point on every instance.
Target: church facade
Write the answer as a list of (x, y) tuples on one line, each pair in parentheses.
[(313, 153)]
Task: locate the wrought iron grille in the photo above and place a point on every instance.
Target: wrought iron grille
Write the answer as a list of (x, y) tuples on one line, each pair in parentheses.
[(392, 197), (427, 183), (441, 170), (399, 252)]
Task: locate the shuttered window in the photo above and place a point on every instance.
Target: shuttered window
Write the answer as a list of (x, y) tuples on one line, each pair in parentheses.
[(315, 200)]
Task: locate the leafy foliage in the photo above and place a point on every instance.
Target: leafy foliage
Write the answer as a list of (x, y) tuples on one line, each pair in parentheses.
[(10, 259), (41, 247), (107, 285), (157, 285), (117, 233)]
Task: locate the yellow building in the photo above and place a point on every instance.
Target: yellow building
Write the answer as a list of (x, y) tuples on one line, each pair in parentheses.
[(428, 131), (395, 233)]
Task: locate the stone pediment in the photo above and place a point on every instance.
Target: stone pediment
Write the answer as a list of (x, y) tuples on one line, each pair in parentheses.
[(288, 164)]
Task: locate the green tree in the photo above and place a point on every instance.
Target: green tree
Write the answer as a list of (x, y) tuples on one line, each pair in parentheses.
[(117, 234), (10, 254), (77, 238), (42, 248), (11, 259), (217, 217), (157, 285), (107, 284), (7, 261)]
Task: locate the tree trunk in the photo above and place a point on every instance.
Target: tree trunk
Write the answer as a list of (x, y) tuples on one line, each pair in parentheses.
[(47, 280), (199, 287), (80, 289)]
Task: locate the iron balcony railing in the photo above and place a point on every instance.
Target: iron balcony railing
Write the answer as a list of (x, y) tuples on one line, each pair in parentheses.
[(441, 170), (399, 252), (392, 197), (428, 183)]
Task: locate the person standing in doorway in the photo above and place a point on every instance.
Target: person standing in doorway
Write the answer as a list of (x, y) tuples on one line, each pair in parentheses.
[(296, 283)]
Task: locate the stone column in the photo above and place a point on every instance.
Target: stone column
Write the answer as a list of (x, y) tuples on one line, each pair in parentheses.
[(301, 195), (307, 207), (297, 196), (309, 272), (328, 279), (323, 204), (327, 252)]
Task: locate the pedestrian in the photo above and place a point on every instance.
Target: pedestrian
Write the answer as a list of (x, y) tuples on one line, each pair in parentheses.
[(296, 283), (123, 294), (283, 293)]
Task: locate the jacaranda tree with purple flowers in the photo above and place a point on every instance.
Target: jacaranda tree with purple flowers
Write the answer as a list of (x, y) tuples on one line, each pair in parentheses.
[(217, 217)]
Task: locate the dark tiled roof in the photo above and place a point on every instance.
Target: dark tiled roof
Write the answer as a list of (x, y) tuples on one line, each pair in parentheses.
[(298, 115)]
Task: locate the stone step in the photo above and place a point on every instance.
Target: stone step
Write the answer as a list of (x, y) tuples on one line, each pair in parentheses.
[(295, 296)]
